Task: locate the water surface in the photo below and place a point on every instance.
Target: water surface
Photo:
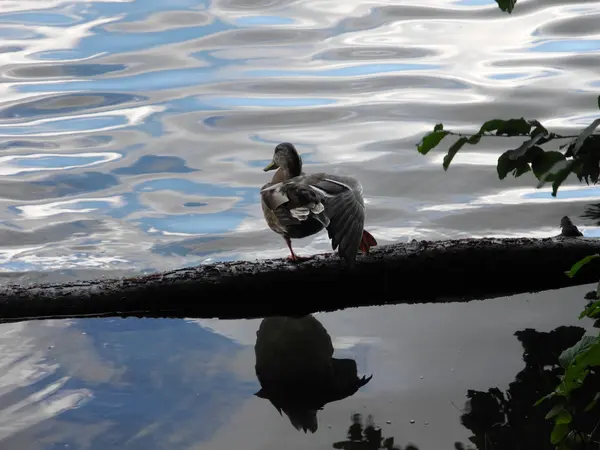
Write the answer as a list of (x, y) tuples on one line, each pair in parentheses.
[(132, 138), (133, 133), (157, 384)]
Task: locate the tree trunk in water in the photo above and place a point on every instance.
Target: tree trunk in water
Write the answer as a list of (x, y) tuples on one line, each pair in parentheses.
[(417, 272)]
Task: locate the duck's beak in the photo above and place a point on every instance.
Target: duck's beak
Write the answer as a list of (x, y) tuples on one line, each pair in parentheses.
[(270, 166)]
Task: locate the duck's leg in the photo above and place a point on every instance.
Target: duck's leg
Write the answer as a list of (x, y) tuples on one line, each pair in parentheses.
[(292, 256)]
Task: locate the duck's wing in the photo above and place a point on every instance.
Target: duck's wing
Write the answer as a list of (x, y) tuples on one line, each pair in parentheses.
[(293, 202), (345, 209)]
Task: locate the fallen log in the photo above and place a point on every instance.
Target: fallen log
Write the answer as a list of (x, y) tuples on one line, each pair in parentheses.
[(416, 272)]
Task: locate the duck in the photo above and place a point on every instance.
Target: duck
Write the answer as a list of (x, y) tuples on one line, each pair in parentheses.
[(297, 205)]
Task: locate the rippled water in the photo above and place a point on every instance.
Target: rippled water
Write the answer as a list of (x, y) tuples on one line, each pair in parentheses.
[(133, 133), (132, 137)]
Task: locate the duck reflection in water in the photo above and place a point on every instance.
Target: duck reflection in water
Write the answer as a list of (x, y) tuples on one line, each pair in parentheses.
[(297, 371)]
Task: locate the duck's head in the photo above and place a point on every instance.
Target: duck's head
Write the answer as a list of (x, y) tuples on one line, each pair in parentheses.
[(286, 157)]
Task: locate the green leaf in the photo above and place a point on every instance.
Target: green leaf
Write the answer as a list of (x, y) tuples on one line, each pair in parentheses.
[(514, 127), (586, 164), (577, 362), (454, 148), (559, 172), (491, 125), (431, 140), (554, 411), (568, 356), (506, 164), (579, 264), (587, 131), (539, 128), (524, 147), (593, 403), (563, 417), (438, 127), (544, 398), (510, 127), (521, 168), (506, 5), (558, 433), (592, 310), (544, 162)]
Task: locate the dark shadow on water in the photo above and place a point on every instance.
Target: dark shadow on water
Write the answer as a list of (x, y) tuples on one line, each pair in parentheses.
[(369, 437), (510, 420), (297, 371)]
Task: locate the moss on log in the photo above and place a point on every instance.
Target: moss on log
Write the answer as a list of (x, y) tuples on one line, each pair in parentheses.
[(417, 272)]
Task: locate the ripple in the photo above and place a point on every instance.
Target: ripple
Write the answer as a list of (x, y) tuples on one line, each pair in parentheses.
[(57, 232), (61, 105), (163, 21), (522, 196), (156, 120), (155, 164), (575, 26), (80, 206), (568, 46), (349, 71), (18, 164), (373, 53), (190, 224), (62, 185), (46, 71)]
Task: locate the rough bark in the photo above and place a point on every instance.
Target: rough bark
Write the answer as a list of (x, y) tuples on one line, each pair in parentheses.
[(417, 272)]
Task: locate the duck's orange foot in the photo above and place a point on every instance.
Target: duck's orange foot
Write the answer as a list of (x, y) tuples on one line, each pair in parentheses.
[(367, 241), (296, 258)]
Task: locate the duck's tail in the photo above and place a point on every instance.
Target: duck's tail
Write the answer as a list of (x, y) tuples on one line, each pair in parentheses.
[(367, 242)]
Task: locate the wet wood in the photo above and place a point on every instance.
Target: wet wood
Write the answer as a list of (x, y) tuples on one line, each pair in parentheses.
[(417, 272)]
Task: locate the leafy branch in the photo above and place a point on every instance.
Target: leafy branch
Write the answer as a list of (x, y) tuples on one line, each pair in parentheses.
[(581, 155), (578, 362), (506, 5)]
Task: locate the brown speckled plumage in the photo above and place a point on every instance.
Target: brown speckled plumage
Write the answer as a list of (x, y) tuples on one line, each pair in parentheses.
[(297, 205)]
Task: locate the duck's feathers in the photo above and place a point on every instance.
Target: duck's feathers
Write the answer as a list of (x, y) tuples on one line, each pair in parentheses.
[(334, 201)]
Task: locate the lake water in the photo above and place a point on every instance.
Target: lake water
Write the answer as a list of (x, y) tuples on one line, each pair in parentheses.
[(132, 137)]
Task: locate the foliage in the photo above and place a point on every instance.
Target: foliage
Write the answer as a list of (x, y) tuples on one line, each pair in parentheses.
[(508, 419), (577, 362), (506, 5), (580, 155)]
